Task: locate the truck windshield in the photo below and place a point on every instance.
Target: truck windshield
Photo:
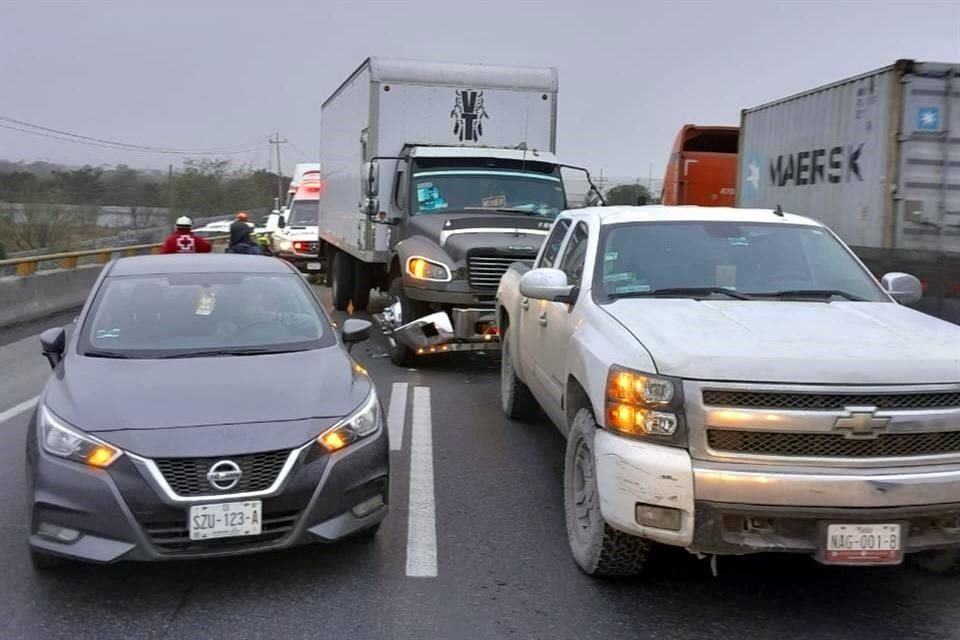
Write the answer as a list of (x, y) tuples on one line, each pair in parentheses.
[(503, 191), (304, 213), (759, 260)]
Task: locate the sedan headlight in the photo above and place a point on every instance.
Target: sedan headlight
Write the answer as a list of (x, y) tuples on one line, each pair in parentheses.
[(644, 405), (359, 425), (423, 269), (61, 440)]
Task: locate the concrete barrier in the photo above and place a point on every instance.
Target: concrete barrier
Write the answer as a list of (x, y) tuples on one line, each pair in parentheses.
[(23, 299)]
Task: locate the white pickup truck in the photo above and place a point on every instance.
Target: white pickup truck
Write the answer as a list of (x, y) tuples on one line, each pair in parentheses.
[(734, 381)]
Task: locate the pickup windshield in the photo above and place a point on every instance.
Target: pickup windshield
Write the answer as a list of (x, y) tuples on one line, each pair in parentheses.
[(487, 189), (772, 261)]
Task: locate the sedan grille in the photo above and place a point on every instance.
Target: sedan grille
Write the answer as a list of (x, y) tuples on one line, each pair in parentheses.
[(830, 445), (829, 401), (174, 536), (188, 476), (484, 272)]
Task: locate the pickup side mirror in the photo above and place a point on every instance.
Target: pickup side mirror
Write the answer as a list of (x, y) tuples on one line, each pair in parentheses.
[(356, 330), (53, 342), (547, 284), (902, 287)]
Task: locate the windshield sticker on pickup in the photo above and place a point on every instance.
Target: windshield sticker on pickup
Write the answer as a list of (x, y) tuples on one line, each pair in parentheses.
[(727, 276), (620, 277), (611, 255), (103, 334), (632, 288), (428, 197)]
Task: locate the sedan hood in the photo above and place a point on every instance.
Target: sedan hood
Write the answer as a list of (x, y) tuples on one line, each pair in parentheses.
[(793, 342), (104, 395)]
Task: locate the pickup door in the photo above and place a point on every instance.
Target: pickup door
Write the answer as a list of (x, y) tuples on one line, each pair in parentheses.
[(556, 321)]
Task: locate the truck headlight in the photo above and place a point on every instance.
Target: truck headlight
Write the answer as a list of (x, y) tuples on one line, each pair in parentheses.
[(422, 269), (61, 440), (643, 405), (360, 424)]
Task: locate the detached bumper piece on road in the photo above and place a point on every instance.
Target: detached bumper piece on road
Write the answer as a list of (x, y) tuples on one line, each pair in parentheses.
[(140, 509)]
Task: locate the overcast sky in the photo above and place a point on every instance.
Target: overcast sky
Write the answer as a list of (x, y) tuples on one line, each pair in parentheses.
[(204, 74)]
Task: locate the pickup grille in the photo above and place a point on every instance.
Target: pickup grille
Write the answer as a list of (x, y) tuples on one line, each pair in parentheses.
[(830, 445), (829, 401), (485, 271)]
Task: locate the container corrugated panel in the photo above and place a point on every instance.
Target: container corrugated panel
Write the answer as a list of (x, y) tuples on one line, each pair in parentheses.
[(929, 192), (825, 154)]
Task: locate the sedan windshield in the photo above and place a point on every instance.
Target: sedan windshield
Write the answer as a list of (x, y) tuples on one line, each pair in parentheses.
[(178, 315), (494, 190), (730, 260)]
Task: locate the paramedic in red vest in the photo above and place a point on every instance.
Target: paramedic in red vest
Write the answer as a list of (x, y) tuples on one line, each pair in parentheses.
[(184, 240)]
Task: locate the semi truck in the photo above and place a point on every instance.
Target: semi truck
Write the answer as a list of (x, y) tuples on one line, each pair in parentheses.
[(703, 167), (437, 177), (877, 158)]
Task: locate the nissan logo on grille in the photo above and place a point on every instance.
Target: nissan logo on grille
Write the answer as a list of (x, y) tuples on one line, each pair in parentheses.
[(224, 475)]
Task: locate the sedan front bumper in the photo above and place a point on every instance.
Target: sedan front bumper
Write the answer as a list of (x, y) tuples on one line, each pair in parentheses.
[(120, 514)]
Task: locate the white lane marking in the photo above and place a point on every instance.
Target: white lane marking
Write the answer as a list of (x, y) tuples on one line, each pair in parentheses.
[(13, 412), (422, 525), (397, 415)]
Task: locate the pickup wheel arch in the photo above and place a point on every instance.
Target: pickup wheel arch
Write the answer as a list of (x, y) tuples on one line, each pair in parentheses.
[(575, 398)]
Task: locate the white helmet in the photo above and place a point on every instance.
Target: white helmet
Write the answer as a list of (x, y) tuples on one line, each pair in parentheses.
[(184, 221)]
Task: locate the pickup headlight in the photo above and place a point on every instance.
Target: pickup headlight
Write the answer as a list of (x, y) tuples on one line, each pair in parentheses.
[(643, 405), (61, 440), (422, 269), (357, 426)]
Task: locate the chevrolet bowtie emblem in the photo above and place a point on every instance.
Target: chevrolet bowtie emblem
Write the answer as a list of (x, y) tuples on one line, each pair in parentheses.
[(861, 424)]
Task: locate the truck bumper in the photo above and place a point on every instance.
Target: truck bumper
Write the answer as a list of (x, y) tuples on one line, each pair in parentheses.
[(442, 332), (740, 509)]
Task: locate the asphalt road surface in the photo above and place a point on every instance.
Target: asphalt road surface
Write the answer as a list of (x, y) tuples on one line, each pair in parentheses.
[(474, 547)]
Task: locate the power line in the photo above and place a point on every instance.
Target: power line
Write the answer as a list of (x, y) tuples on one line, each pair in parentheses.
[(66, 136)]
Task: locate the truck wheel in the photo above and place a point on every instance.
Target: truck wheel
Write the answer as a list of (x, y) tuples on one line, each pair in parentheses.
[(362, 283), (599, 549), (515, 397), (341, 280), (401, 354), (943, 561)]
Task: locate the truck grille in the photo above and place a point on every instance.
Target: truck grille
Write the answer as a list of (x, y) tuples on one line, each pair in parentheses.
[(829, 445), (829, 401), (174, 536), (484, 272), (188, 476)]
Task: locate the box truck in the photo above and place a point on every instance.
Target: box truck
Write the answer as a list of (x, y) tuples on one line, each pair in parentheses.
[(703, 167), (877, 158), (437, 177)]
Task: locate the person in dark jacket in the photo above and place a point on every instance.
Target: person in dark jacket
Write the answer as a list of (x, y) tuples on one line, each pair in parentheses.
[(184, 240), (240, 236)]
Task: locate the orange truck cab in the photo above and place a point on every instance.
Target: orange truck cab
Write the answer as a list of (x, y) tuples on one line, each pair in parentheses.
[(703, 167)]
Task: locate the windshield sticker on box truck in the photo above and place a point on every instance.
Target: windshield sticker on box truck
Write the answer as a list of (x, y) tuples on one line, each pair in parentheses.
[(428, 197)]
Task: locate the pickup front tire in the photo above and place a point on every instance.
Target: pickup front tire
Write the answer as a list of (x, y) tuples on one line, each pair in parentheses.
[(599, 549), (515, 398)]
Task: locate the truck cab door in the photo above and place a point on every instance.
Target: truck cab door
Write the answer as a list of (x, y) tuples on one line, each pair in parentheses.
[(557, 321)]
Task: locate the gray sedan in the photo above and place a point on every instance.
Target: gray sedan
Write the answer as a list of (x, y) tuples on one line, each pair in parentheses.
[(202, 406)]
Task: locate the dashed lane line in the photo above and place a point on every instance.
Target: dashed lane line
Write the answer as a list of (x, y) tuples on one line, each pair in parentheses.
[(14, 411), (422, 523), (397, 415)]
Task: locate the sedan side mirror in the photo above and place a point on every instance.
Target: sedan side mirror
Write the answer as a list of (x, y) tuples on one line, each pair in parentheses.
[(547, 284), (53, 343), (902, 287), (356, 330)]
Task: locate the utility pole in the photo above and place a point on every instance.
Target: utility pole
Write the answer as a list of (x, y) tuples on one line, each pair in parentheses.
[(275, 139), (171, 213)]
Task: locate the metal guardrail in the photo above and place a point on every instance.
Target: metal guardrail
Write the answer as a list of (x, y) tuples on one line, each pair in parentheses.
[(27, 265)]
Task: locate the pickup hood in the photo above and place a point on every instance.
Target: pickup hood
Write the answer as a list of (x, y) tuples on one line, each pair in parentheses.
[(104, 395), (793, 342), (473, 230)]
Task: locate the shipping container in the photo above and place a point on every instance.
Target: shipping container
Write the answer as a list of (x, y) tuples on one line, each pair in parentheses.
[(703, 167), (877, 158)]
